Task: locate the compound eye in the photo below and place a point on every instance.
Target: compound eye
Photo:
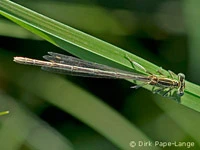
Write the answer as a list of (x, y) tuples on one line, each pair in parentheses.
[(181, 76)]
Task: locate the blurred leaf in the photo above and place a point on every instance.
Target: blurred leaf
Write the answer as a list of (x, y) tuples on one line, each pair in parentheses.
[(7, 28), (21, 128), (4, 113), (176, 113), (84, 17), (191, 14)]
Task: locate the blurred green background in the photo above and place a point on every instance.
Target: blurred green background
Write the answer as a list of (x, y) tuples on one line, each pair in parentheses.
[(165, 32)]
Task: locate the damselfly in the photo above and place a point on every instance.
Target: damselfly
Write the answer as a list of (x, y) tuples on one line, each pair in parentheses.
[(70, 65)]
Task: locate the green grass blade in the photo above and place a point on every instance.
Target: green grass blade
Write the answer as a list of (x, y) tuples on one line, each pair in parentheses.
[(85, 46), (22, 125), (71, 40), (191, 98), (176, 113), (4, 113)]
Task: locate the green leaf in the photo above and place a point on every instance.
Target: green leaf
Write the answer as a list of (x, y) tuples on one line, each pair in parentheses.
[(69, 39), (86, 46), (4, 113), (19, 126)]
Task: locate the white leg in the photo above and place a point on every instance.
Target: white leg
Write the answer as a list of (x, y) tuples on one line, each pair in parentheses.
[(172, 74)]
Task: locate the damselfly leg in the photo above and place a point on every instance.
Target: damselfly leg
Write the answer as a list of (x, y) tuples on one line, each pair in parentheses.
[(135, 64), (161, 84)]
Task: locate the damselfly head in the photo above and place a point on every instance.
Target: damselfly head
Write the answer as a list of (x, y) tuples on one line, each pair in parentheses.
[(181, 87), (181, 76)]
